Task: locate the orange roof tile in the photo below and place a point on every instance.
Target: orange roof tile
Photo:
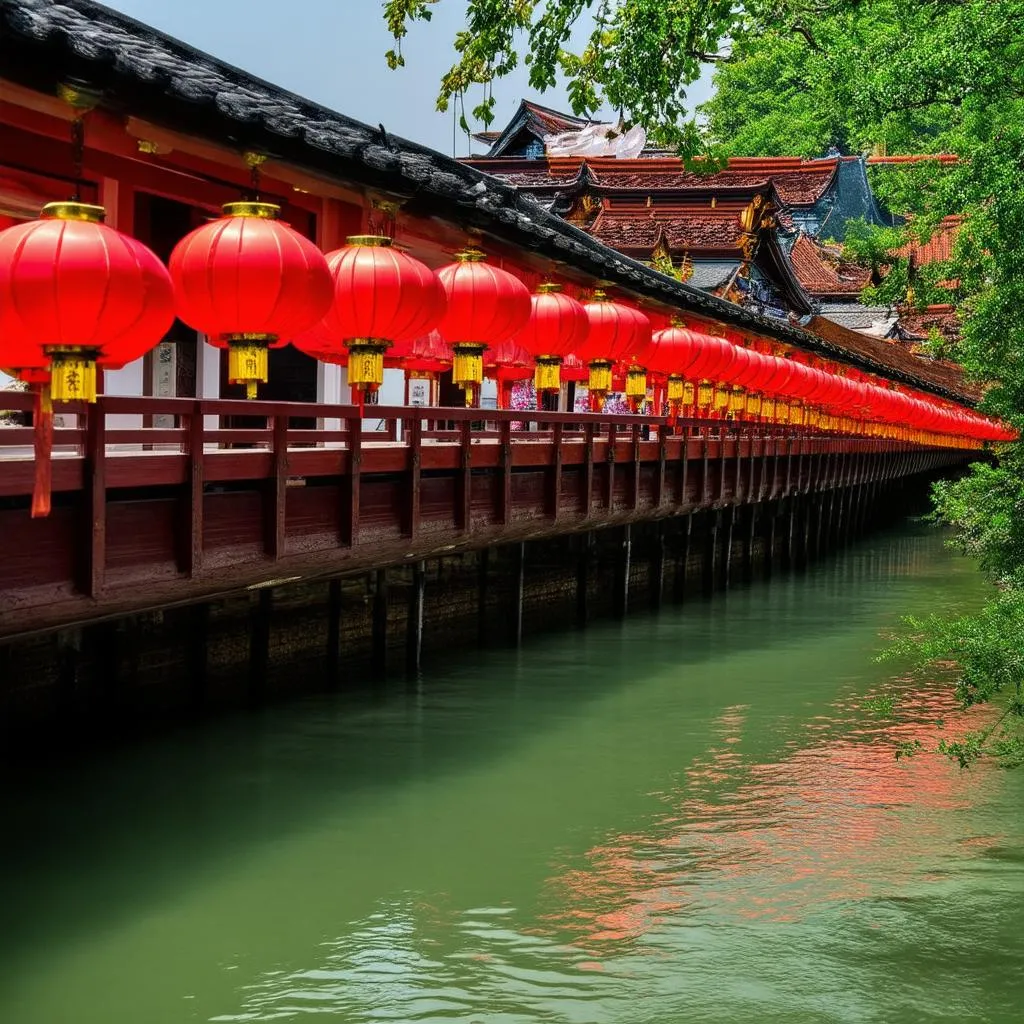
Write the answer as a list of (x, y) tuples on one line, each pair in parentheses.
[(823, 276)]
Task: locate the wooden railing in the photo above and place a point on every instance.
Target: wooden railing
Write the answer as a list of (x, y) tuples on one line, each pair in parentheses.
[(230, 490)]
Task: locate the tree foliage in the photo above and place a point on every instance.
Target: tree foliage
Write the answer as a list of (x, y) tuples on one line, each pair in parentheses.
[(795, 77)]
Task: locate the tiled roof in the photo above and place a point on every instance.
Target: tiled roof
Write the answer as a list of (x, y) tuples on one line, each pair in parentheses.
[(821, 273), (942, 158), (938, 248), (690, 231), (552, 121), (919, 323), (797, 182), (873, 320), (942, 374)]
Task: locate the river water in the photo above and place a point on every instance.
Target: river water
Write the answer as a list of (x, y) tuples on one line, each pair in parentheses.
[(690, 816)]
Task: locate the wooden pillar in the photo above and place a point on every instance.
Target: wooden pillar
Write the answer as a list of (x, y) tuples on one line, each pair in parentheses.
[(379, 638), (516, 588), (483, 579), (623, 558), (711, 551), (198, 622), (730, 532), (683, 558), (786, 549), (333, 661), (749, 535), (770, 520), (260, 613), (819, 525), (583, 557), (657, 565), (803, 530), (414, 621)]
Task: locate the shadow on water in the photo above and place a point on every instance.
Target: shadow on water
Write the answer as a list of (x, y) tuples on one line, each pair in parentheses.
[(119, 835)]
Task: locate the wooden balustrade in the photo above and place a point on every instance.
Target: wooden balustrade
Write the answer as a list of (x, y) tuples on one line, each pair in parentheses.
[(235, 491)]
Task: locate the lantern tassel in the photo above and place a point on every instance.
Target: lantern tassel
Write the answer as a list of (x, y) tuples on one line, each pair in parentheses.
[(42, 443)]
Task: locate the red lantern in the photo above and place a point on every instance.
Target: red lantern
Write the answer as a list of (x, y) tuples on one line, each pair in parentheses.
[(382, 297), (557, 327), (672, 352), (249, 281), (486, 306), (72, 291), (616, 333)]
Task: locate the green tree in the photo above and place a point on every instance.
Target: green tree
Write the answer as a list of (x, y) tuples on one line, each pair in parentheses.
[(795, 76)]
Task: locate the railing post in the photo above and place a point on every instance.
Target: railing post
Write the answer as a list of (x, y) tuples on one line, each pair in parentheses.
[(555, 498), (588, 469), (350, 511), (636, 466), (275, 532), (412, 497), (94, 552), (505, 441), (684, 470), (659, 484), (463, 513), (192, 561), (610, 463)]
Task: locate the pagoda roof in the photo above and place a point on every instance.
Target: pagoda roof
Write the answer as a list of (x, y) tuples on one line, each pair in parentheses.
[(531, 119), (701, 230), (144, 71), (796, 182)]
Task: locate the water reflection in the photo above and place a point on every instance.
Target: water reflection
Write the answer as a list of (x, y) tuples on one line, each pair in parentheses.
[(686, 817)]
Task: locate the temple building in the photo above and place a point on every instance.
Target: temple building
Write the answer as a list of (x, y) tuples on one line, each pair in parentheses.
[(766, 233)]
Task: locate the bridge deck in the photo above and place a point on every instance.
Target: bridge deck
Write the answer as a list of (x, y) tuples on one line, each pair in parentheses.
[(147, 516)]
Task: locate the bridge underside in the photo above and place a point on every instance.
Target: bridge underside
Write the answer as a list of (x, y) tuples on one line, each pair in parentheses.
[(148, 517)]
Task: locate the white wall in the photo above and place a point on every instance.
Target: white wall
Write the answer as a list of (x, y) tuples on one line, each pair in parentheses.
[(126, 381)]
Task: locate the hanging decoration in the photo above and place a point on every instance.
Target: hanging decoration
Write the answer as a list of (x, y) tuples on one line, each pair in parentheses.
[(485, 306), (382, 297), (74, 291), (617, 332), (249, 282), (558, 325)]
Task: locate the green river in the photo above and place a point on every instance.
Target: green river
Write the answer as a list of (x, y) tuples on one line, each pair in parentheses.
[(686, 817)]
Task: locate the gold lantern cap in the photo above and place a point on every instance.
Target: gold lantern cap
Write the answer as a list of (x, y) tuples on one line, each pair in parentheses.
[(252, 208), (368, 241), (70, 209)]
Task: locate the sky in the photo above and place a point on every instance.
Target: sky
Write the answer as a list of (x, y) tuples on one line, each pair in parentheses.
[(332, 52)]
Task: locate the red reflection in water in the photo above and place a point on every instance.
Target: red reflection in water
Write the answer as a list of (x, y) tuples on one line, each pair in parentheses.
[(837, 821)]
